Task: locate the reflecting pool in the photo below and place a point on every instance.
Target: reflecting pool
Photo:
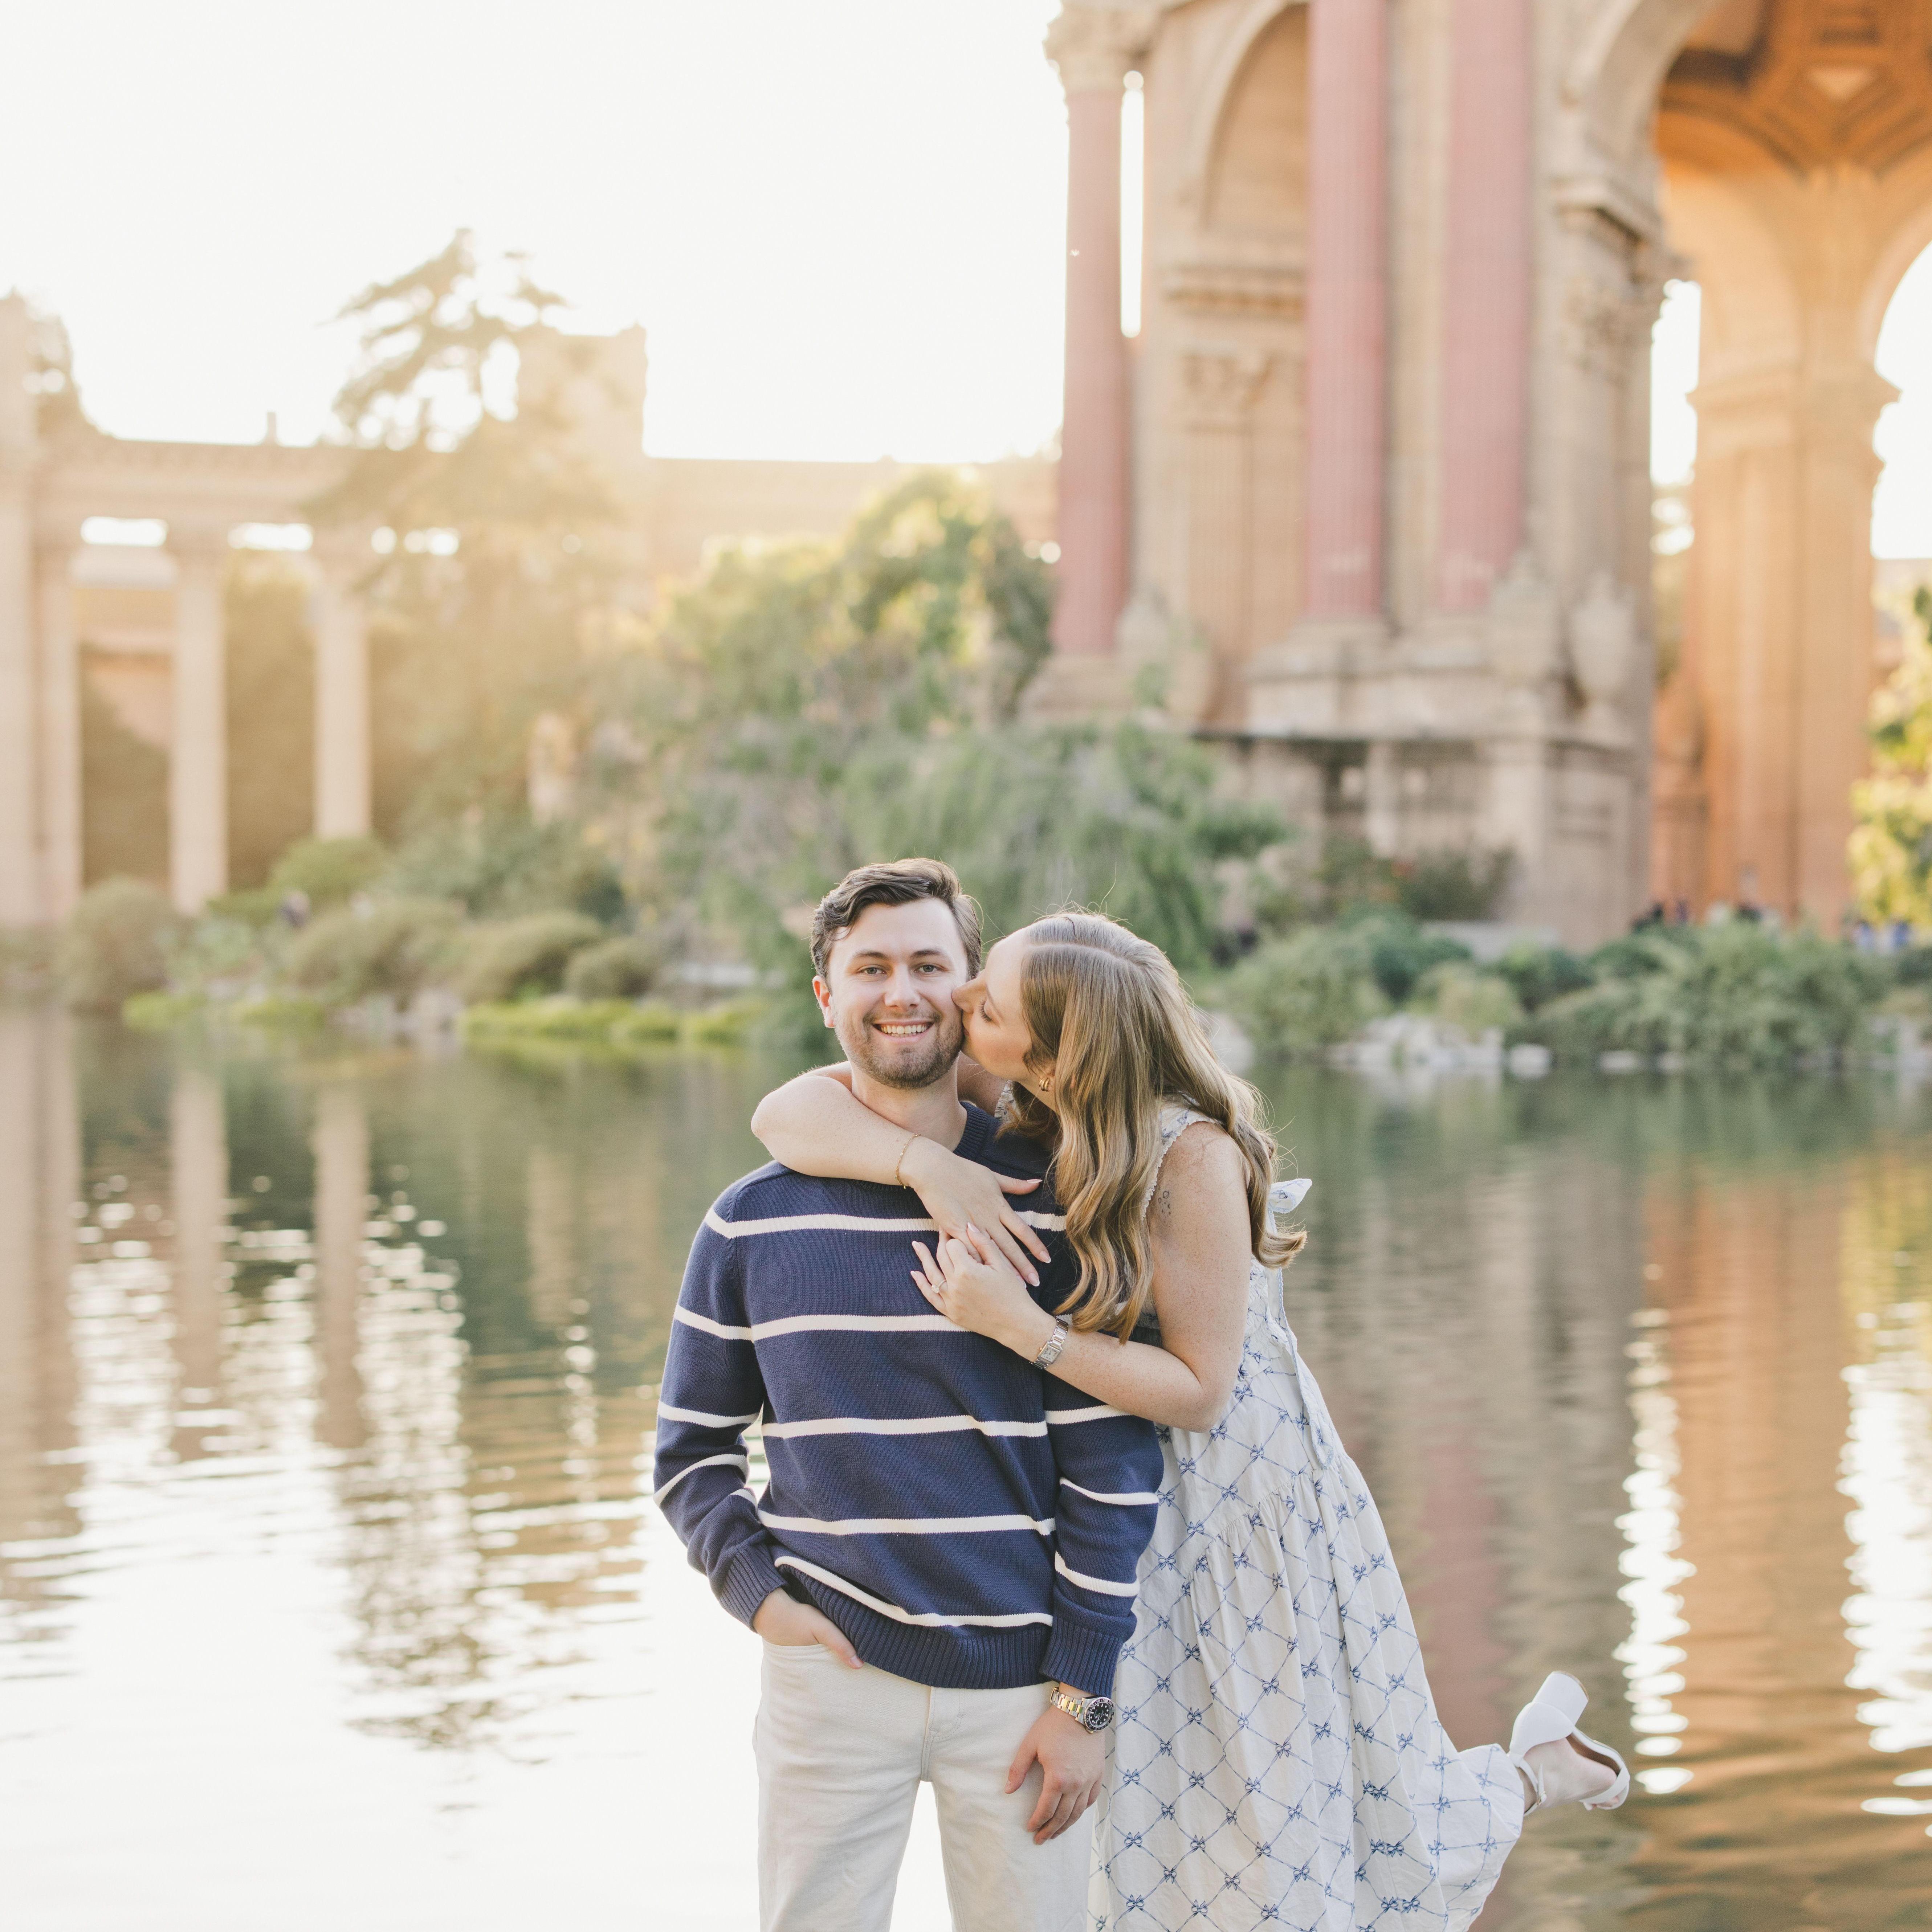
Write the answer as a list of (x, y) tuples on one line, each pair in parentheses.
[(330, 1594)]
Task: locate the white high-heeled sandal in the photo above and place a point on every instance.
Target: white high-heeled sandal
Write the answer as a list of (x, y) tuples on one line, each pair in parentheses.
[(1550, 1717)]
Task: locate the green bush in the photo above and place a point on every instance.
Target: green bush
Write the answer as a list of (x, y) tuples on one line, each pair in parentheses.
[(730, 1023), (651, 1024), (1738, 995), (1299, 994), (524, 956), (117, 944), (159, 1012), (1451, 884), (1537, 974), (396, 946), (621, 968), (329, 871), (1461, 995), (1400, 953)]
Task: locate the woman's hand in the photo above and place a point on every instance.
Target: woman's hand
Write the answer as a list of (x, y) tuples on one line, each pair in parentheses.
[(971, 1283), (959, 1194)]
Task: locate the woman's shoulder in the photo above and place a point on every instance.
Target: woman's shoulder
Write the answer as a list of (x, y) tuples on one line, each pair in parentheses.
[(1198, 1151)]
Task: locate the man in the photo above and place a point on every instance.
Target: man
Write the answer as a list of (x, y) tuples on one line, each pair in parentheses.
[(942, 1563)]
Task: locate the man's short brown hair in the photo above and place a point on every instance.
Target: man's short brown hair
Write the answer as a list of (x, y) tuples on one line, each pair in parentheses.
[(898, 882)]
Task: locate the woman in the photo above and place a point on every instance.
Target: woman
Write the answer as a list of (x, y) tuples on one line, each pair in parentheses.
[(1277, 1757)]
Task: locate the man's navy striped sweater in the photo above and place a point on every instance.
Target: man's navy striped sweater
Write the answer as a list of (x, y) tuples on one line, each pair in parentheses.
[(968, 1521)]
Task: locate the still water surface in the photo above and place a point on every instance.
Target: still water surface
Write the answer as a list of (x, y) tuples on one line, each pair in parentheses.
[(331, 1596)]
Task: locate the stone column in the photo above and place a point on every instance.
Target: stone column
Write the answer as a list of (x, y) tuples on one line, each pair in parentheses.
[(340, 626), (1093, 47), (20, 867), (198, 750), (1345, 305), (1486, 300), (60, 786), (1223, 385)]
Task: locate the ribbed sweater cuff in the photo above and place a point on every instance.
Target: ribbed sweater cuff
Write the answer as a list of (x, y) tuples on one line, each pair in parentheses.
[(749, 1578), (1082, 1656)]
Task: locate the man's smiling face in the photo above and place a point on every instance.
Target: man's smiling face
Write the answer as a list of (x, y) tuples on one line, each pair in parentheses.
[(887, 992)]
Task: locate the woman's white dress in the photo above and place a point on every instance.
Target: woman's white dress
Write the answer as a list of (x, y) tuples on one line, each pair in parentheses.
[(1277, 1760)]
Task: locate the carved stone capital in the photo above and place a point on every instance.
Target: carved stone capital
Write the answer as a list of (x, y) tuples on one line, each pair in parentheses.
[(1093, 47)]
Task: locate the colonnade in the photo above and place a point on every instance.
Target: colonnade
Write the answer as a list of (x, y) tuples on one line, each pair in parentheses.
[(1482, 443), (49, 752)]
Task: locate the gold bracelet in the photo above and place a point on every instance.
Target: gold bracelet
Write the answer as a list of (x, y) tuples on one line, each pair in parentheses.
[(898, 1180)]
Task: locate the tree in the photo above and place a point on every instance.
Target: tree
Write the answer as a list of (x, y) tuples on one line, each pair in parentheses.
[(1892, 844), (501, 546), (809, 707)]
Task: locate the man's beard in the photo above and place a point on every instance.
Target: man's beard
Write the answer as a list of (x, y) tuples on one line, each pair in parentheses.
[(941, 1047)]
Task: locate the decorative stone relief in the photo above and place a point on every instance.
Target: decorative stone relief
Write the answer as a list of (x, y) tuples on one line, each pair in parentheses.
[(1223, 383)]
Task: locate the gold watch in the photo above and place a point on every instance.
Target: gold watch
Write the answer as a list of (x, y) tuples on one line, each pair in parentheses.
[(1094, 1713)]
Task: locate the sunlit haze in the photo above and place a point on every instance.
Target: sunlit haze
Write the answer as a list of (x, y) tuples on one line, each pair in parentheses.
[(842, 224)]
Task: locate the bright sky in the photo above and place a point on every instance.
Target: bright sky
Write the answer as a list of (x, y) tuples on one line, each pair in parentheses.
[(841, 220)]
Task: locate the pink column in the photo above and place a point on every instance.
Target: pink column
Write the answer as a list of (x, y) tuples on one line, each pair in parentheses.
[(1486, 300), (1093, 479), (1346, 304)]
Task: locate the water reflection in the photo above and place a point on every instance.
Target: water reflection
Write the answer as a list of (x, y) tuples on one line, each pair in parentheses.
[(326, 1385)]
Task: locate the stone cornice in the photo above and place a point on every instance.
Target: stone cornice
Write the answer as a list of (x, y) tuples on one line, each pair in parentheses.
[(1218, 286), (211, 485)]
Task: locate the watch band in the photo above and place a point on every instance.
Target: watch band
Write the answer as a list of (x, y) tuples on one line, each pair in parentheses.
[(1092, 1714), (1050, 1353)]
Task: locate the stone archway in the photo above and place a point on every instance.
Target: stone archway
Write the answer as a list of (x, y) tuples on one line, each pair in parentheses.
[(1795, 141)]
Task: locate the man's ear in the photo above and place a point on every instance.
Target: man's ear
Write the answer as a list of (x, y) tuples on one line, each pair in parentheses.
[(822, 993)]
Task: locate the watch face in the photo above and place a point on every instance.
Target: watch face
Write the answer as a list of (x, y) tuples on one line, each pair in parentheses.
[(1100, 1713)]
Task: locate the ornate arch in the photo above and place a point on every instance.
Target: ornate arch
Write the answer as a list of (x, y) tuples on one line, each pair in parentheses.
[(1211, 102), (1621, 57)]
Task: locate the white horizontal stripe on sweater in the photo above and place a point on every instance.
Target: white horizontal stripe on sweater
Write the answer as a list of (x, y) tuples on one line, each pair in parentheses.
[(704, 1418), (927, 1619), (1060, 1417), (1106, 1589), (861, 1224), (806, 1324), (905, 1525), (1134, 1496), (899, 1425), (742, 1464)]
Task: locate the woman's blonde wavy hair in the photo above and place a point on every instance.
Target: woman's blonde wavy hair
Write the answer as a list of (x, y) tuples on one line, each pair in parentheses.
[(1108, 1013)]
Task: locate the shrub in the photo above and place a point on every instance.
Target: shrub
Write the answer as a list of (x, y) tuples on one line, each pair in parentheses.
[(1451, 884), (329, 871), (621, 968), (159, 1012), (729, 1024), (397, 946), (652, 1024), (1462, 996), (1299, 994), (117, 944), (1400, 953), (524, 956), (1537, 974), (1734, 994)]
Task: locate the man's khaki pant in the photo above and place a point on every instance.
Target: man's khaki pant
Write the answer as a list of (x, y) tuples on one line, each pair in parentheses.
[(841, 1754)]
